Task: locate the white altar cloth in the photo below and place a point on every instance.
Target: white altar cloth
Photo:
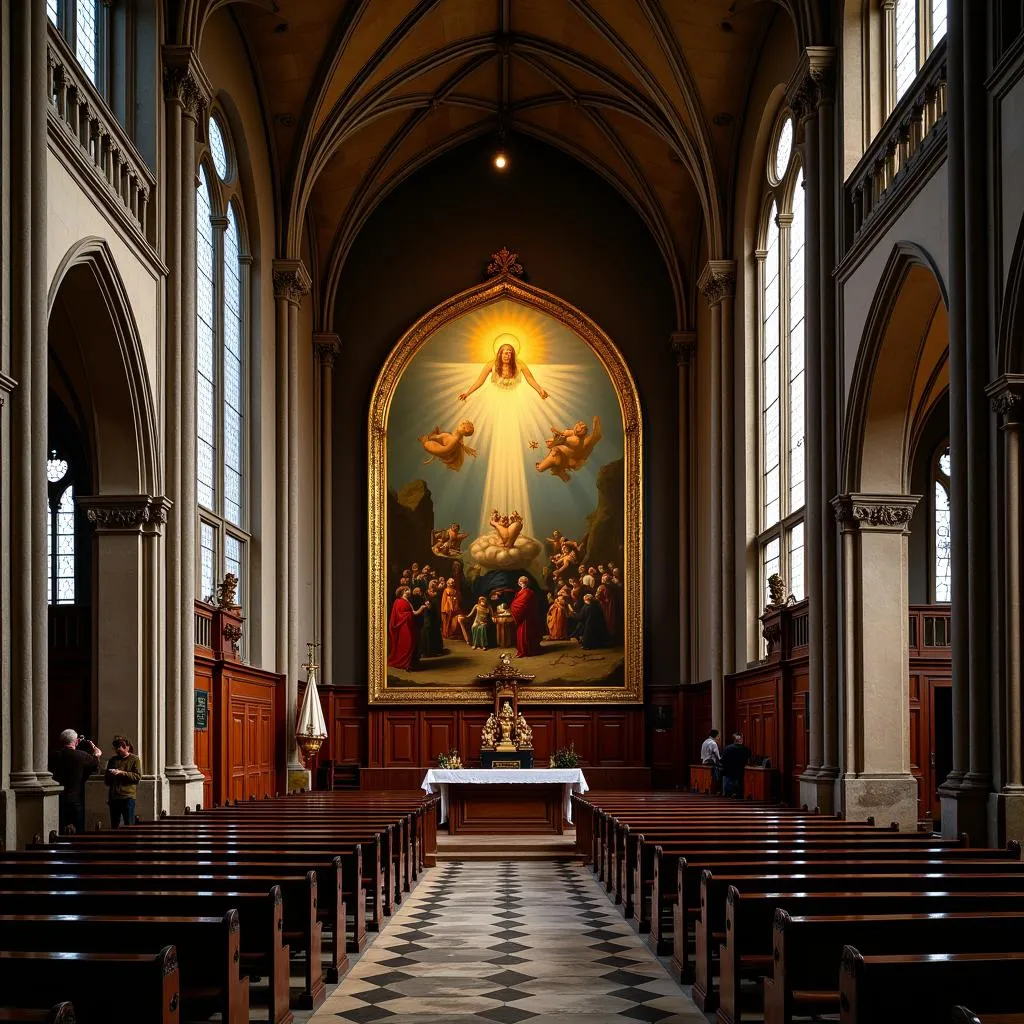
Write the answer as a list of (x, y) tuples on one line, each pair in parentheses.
[(571, 780)]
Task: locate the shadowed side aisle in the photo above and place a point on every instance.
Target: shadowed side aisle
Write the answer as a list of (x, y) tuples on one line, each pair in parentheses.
[(508, 942)]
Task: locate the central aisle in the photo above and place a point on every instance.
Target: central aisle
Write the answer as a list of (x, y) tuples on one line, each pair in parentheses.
[(505, 942)]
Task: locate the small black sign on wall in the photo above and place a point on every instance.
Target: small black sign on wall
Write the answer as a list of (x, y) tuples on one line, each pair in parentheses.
[(202, 709)]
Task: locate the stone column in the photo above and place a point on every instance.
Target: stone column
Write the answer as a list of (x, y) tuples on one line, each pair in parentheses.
[(125, 555), (876, 778), (730, 531), (291, 284), (327, 347), (964, 794), (716, 283), (807, 95), (34, 788), (188, 93), (1007, 395), (8, 834), (684, 347)]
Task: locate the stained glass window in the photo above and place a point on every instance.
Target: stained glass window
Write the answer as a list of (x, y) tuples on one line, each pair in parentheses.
[(222, 366), (781, 398), (51, 10), (917, 27), (943, 534), (906, 45), (85, 36), (60, 533), (938, 20)]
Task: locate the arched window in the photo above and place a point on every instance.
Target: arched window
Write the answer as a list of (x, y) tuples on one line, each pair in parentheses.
[(222, 372), (915, 27), (60, 533), (781, 368), (941, 536)]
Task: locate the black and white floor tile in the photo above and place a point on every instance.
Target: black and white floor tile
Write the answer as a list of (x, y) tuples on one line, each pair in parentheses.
[(503, 943)]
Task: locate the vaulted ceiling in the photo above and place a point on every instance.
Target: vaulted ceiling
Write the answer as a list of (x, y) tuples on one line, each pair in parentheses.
[(650, 94)]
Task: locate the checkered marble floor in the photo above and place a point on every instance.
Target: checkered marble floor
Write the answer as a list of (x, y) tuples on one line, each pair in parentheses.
[(505, 942)]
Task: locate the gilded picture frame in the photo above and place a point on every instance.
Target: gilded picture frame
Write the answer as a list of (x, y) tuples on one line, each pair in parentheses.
[(505, 285)]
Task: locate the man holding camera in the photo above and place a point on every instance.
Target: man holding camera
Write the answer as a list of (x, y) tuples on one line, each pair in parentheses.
[(71, 764)]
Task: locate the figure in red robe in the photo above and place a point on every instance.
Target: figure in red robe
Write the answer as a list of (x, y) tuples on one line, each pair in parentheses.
[(403, 633), (528, 625)]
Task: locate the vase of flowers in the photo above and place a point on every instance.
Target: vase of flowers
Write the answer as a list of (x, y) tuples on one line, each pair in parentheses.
[(565, 757), (450, 759)]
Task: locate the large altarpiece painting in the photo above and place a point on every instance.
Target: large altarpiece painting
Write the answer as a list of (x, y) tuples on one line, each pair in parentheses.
[(505, 504)]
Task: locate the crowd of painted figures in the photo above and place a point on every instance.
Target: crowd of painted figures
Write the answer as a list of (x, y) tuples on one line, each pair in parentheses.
[(580, 603)]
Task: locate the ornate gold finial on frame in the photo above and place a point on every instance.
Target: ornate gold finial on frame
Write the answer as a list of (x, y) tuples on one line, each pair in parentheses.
[(505, 263)]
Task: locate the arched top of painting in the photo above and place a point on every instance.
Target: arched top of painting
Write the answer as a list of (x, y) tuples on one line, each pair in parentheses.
[(543, 325)]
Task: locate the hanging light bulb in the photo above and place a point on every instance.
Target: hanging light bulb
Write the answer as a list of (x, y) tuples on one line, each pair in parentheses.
[(500, 160)]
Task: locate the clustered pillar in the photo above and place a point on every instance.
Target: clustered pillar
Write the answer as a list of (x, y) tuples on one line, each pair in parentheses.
[(291, 285), (684, 347), (187, 95), (717, 284)]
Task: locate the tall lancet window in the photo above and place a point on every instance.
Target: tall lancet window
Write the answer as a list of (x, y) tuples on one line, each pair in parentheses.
[(222, 372), (81, 22), (915, 28), (60, 533), (942, 538), (781, 405)]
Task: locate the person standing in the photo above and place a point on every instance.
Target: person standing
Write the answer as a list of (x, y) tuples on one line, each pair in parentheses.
[(71, 764), (735, 758), (525, 611), (711, 756), (124, 770)]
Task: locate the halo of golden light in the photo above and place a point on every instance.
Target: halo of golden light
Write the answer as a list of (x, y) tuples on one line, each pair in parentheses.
[(505, 338)]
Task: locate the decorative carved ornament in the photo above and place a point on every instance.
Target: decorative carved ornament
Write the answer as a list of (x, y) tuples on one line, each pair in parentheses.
[(124, 513), (1007, 396), (887, 512), (327, 348), (291, 281), (717, 281), (684, 347), (504, 263), (813, 82), (185, 81)]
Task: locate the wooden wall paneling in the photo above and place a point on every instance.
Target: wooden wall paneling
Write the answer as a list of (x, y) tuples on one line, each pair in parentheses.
[(204, 740), (401, 738), (438, 734), (577, 728), (545, 734), (236, 748), (470, 725), (669, 752), (919, 741), (613, 742), (798, 747)]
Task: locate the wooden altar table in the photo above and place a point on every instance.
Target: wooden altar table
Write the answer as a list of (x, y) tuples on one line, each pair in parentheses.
[(531, 801)]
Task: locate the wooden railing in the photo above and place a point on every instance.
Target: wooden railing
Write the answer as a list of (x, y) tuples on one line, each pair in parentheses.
[(911, 131), (930, 633), (90, 134), (203, 620)]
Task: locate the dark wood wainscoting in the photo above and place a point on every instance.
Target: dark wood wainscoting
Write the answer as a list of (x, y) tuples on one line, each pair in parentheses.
[(238, 749), (768, 701)]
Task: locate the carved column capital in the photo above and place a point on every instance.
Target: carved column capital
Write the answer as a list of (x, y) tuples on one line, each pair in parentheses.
[(327, 348), (125, 513), (185, 82), (717, 281), (1006, 393), (291, 281), (813, 82), (7, 385), (684, 347), (886, 513)]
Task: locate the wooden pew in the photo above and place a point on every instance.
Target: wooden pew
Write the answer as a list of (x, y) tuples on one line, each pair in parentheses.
[(871, 860), (237, 846), (927, 986), (716, 896), (209, 951), (260, 915), (299, 893), (806, 950), (60, 1013), (143, 985)]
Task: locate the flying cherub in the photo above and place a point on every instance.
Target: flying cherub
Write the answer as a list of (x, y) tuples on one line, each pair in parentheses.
[(569, 449), (449, 448)]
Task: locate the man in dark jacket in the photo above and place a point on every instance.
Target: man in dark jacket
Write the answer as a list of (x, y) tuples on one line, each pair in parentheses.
[(71, 764), (124, 770), (735, 758)]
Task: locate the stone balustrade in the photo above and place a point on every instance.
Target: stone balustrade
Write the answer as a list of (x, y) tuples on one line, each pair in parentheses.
[(98, 146), (912, 131)]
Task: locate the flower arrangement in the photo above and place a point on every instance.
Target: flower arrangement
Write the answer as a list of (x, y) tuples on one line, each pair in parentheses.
[(565, 757), (451, 759)]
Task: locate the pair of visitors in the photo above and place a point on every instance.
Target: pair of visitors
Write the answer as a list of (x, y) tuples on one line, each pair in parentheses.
[(72, 764)]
